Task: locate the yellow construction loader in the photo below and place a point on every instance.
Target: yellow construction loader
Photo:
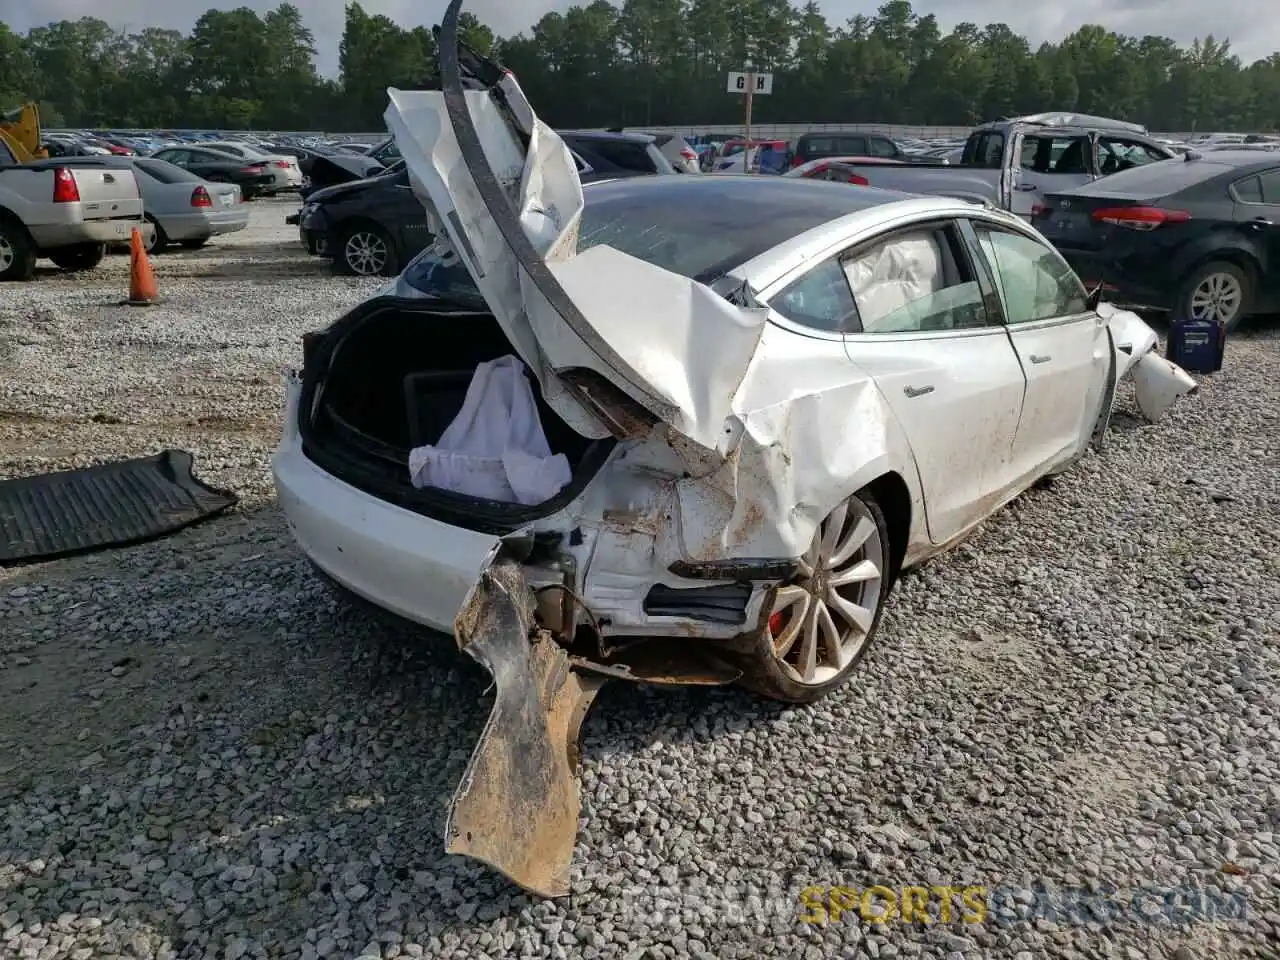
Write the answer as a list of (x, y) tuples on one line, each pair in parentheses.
[(20, 132)]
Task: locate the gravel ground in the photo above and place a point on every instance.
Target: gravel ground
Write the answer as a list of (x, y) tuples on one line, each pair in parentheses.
[(202, 754)]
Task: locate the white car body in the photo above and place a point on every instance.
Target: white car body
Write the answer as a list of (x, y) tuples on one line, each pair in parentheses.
[(763, 427)]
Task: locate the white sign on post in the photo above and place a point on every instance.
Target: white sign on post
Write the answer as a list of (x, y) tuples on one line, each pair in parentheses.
[(761, 83)]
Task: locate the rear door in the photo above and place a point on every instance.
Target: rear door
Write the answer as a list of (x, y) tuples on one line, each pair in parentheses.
[(1048, 162), (926, 332), (1256, 208), (1062, 346)]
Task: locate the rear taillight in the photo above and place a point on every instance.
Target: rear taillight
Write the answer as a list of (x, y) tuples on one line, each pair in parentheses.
[(282, 164), (1039, 210), (200, 198), (688, 154), (254, 170), (65, 189), (1139, 218), (797, 160), (859, 180)]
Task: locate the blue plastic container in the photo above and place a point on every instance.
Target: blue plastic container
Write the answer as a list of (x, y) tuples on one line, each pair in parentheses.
[(1196, 346)]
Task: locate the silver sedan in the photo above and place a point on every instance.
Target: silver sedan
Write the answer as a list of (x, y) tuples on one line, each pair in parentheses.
[(184, 208)]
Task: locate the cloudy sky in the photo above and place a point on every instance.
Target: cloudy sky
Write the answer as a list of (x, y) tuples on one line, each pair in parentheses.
[(1253, 36)]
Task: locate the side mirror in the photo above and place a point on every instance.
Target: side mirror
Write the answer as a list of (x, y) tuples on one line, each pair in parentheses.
[(1095, 296)]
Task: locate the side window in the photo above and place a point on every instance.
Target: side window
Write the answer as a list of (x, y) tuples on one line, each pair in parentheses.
[(1069, 155), (915, 282), (987, 150), (820, 299), (628, 156), (1270, 186), (1248, 190), (1035, 282), (1115, 154), (850, 147), (177, 156), (883, 147)]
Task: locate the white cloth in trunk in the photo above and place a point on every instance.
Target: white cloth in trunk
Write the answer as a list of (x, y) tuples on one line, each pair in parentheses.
[(495, 447)]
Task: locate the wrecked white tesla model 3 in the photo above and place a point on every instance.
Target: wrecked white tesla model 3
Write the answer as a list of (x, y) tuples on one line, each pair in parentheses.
[(741, 406)]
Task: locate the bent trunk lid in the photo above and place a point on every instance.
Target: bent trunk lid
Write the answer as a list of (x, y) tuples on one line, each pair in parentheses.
[(505, 190)]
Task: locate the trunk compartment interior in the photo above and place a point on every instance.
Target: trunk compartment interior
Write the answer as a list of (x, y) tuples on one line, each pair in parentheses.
[(394, 379)]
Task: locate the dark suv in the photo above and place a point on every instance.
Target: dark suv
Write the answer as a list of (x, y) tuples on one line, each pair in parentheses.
[(819, 146)]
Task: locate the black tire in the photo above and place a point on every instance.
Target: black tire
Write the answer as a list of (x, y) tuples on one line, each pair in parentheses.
[(160, 239), (365, 250), (82, 256), (762, 671), (17, 252), (193, 244), (1184, 306)]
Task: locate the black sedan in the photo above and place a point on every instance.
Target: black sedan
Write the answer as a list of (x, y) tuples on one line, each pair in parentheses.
[(251, 177), (368, 227), (1198, 236)]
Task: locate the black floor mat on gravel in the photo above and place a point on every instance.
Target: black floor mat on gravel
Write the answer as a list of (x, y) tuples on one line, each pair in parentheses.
[(111, 505)]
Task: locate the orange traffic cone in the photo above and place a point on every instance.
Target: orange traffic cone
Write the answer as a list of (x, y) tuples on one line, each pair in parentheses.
[(142, 280)]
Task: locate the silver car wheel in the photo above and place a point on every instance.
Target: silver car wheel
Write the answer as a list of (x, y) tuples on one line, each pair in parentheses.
[(366, 253), (1217, 297), (823, 618), (7, 254)]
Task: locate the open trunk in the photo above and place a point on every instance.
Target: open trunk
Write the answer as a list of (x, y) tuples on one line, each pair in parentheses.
[(392, 377)]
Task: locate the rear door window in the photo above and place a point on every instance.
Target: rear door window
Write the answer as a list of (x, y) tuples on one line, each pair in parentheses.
[(628, 156), (165, 172), (985, 149), (883, 147)]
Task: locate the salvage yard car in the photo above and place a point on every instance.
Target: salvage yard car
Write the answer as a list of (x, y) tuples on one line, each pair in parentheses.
[(66, 209), (752, 403), (1013, 163), (1198, 236)]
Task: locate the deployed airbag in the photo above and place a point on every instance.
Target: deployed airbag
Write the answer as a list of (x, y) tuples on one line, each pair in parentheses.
[(495, 448), (889, 277)]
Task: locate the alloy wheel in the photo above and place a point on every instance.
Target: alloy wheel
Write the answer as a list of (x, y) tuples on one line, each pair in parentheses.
[(1217, 297), (822, 618), (7, 253), (366, 253)]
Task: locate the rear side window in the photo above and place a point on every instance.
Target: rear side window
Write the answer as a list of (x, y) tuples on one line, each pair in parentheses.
[(1261, 188), (985, 149), (1048, 154), (883, 147), (165, 172), (628, 156), (1248, 190)]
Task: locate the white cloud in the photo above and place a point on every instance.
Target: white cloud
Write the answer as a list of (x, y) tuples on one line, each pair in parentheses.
[(1253, 36)]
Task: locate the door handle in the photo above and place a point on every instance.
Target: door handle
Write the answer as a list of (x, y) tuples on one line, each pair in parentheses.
[(1040, 358), (1027, 187), (918, 391)]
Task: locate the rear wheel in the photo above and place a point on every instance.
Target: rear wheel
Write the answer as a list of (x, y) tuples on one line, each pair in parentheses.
[(365, 250), (824, 617), (82, 256), (17, 252), (1219, 291), (159, 239)]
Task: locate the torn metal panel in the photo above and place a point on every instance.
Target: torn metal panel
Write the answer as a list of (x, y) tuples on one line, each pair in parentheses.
[(1158, 382), (517, 806)]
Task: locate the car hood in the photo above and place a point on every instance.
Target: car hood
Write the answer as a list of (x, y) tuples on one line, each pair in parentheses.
[(503, 187), (340, 190)]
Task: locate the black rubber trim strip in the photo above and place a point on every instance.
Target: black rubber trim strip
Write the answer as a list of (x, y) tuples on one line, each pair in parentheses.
[(496, 202), (736, 570)]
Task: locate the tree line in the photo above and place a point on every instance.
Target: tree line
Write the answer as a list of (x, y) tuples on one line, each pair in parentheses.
[(638, 63)]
